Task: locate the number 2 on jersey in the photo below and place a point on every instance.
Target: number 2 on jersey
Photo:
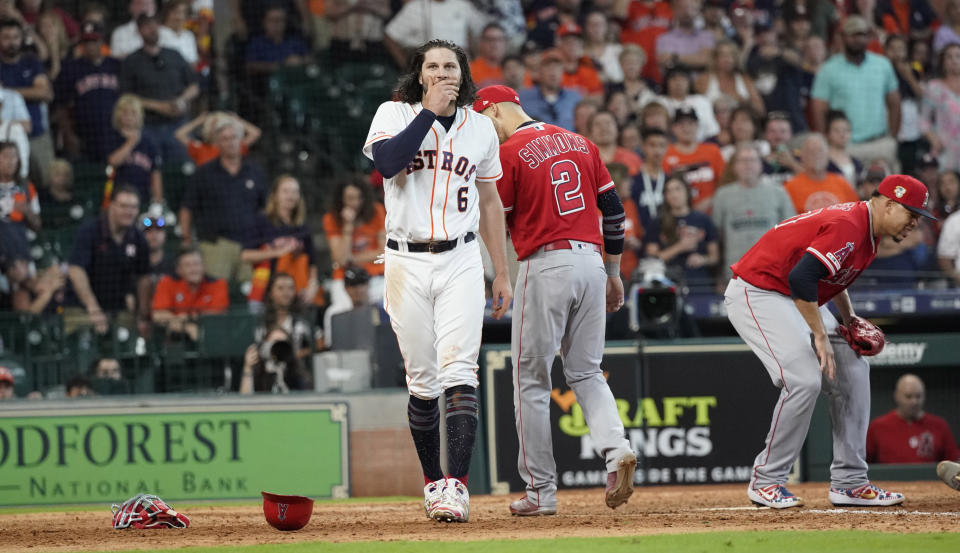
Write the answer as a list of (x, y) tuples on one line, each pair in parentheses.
[(565, 178)]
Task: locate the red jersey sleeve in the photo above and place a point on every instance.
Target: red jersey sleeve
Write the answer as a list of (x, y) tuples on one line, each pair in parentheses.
[(163, 295), (835, 241), (505, 186)]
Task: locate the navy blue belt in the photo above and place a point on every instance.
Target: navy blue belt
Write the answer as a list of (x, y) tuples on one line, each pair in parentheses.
[(437, 246)]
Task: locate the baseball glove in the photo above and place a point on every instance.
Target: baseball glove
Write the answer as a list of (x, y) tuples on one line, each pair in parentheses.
[(146, 511), (863, 336), (949, 472)]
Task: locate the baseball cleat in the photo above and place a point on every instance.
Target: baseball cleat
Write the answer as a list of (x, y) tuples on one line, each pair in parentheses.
[(775, 496), (867, 495), (523, 507), (620, 483), (432, 494), (949, 472), (454, 504)]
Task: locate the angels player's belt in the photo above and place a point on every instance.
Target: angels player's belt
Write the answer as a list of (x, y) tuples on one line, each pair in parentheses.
[(437, 246)]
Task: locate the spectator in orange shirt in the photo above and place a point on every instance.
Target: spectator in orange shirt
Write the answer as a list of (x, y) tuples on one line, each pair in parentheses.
[(701, 162), (604, 132), (280, 240), (813, 187), (356, 234), (632, 229), (486, 68), (645, 20), (203, 150), (579, 72), (178, 300)]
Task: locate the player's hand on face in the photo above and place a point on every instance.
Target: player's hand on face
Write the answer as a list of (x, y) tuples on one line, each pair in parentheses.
[(440, 94), (614, 294), (501, 295), (828, 364)]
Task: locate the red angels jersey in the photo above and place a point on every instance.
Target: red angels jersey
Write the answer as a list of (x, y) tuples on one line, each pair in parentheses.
[(436, 198), (840, 236), (551, 180)]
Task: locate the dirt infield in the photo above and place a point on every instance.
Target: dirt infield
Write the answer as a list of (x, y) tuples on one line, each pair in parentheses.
[(930, 507)]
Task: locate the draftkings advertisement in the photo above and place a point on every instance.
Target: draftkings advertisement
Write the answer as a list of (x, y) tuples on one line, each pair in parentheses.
[(693, 414), (178, 453)]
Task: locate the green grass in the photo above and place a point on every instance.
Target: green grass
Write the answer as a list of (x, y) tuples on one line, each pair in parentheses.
[(734, 542), (186, 506)]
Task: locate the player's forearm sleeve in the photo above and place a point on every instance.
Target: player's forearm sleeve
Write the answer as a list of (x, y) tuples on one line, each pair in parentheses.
[(613, 221), (392, 155), (804, 277)]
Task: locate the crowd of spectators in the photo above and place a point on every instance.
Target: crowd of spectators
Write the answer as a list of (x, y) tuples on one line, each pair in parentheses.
[(719, 117)]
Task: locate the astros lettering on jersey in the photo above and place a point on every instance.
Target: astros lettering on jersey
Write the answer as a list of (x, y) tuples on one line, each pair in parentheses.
[(434, 198)]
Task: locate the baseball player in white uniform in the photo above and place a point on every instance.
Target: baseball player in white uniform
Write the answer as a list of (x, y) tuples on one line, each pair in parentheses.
[(440, 162)]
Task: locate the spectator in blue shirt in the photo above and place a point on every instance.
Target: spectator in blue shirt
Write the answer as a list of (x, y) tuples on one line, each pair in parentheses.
[(133, 155), (109, 262), (26, 75), (685, 239), (267, 52), (548, 100), (220, 203), (86, 91)]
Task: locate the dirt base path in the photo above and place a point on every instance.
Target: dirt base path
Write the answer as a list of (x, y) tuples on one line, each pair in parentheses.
[(930, 507)]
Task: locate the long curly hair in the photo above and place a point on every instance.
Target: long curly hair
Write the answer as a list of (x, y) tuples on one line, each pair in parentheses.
[(410, 91), (366, 208)]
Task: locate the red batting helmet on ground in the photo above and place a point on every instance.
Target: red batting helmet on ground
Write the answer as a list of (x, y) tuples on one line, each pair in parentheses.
[(287, 512)]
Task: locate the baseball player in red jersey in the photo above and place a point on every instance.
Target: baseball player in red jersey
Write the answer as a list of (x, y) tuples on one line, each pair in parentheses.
[(776, 302), (553, 182)]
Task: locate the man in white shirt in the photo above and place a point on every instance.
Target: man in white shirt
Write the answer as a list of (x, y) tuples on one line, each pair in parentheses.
[(13, 108), (419, 21), (125, 39), (948, 248)]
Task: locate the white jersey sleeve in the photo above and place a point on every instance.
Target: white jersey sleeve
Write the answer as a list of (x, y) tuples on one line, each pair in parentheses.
[(489, 169), (387, 123)]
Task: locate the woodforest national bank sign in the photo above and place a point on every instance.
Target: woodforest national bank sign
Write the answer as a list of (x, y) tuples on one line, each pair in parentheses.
[(183, 453)]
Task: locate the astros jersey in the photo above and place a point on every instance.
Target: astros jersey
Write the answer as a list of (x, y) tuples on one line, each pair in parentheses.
[(551, 180), (840, 236), (435, 198)]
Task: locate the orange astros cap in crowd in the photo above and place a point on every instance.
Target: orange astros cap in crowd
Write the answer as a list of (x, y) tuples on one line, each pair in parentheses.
[(490, 95), (908, 192)]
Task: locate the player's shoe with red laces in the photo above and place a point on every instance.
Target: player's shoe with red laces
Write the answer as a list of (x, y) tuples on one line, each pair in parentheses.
[(867, 495), (775, 496), (524, 507), (432, 495), (454, 503), (620, 482)]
